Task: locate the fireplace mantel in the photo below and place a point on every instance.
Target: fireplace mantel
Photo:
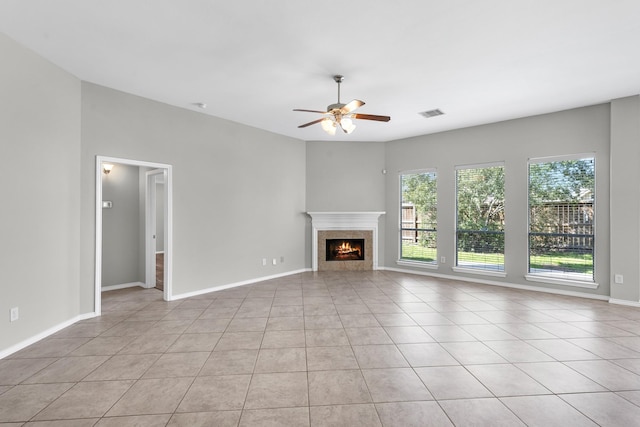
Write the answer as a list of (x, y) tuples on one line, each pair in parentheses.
[(343, 221)]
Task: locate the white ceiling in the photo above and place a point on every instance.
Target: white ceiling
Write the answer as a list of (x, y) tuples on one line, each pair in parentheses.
[(253, 61)]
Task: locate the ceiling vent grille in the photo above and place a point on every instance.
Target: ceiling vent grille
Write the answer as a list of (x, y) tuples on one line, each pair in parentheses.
[(432, 113)]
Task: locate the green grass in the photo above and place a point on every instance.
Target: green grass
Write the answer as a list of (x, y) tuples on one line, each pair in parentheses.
[(570, 262)]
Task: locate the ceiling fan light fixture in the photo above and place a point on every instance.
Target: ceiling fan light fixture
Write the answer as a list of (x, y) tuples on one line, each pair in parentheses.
[(347, 125), (329, 126)]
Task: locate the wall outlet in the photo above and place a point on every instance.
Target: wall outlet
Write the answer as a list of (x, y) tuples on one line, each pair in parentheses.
[(14, 314), (618, 278), (443, 260), (264, 261), (275, 261)]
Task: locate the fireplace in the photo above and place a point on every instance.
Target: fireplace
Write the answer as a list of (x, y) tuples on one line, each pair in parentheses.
[(357, 230), (345, 249)]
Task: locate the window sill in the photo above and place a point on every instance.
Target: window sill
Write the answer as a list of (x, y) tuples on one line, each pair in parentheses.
[(418, 264), (544, 278), (482, 272)]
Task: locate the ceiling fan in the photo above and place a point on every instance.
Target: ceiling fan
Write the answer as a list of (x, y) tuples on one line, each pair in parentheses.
[(340, 114)]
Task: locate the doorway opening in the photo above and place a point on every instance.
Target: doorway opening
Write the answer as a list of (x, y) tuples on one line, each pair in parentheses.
[(157, 185)]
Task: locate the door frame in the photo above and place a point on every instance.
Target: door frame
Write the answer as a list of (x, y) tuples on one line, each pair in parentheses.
[(151, 179), (168, 221)]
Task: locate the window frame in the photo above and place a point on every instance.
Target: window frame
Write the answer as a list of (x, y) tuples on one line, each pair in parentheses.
[(408, 262), (563, 279)]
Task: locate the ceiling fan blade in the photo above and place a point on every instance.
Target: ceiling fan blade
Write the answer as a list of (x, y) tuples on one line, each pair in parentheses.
[(370, 117), (356, 103), (311, 123), (310, 111)]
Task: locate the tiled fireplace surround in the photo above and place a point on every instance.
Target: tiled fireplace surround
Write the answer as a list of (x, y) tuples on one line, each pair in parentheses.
[(344, 225)]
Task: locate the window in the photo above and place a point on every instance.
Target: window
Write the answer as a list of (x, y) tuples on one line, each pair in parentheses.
[(561, 217), (418, 213), (480, 217)]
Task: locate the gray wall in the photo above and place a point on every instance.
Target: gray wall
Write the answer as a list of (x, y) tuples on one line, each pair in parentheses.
[(121, 227), (346, 176), (513, 142), (238, 192), (40, 187), (625, 197)]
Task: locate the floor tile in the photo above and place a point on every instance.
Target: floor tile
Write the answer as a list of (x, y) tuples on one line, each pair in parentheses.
[(448, 333), (606, 409), (379, 356), (281, 360), (24, 401), (408, 334), (607, 374), (452, 382), (546, 411), (326, 337), (359, 320), (247, 324), (562, 350), (279, 390), (395, 385), (518, 351), (605, 348), (230, 362), (426, 354), (195, 342), (472, 353), (412, 414), (506, 380), (51, 347), (152, 396), (203, 326), (285, 323), (67, 369), (283, 339), (123, 367), (216, 393), (280, 417), (14, 371), (149, 344), (366, 336), (102, 346), (344, 415), (395, 319), (479, 412), (177, 365), (134, 421), (327, 358), (559, 378), (322, 322), (239, 341), (85, 400), (337, 387)]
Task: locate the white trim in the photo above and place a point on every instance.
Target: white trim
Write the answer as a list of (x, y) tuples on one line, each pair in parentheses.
[(503, 284), (624, 302), (479, 271), (418, 264), (44, 334), (480, 165), (418, 171), (532, 277), (123, 286), (151, 178), (562, 158), (237, 284), (322, 221), (159, 252), (98, 225)]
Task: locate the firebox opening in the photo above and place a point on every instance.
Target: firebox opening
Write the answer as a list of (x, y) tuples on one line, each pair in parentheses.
[(345, 249)]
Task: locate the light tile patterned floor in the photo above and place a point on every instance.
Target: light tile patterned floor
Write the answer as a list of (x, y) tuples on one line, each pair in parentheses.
[(334, 349)]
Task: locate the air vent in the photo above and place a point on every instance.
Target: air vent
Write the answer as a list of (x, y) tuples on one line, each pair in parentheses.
[(432, 113)]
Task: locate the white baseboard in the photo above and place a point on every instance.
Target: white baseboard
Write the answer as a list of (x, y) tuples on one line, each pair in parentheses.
[(122, 286), (34, 339), (236, 284), (503, 284)]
